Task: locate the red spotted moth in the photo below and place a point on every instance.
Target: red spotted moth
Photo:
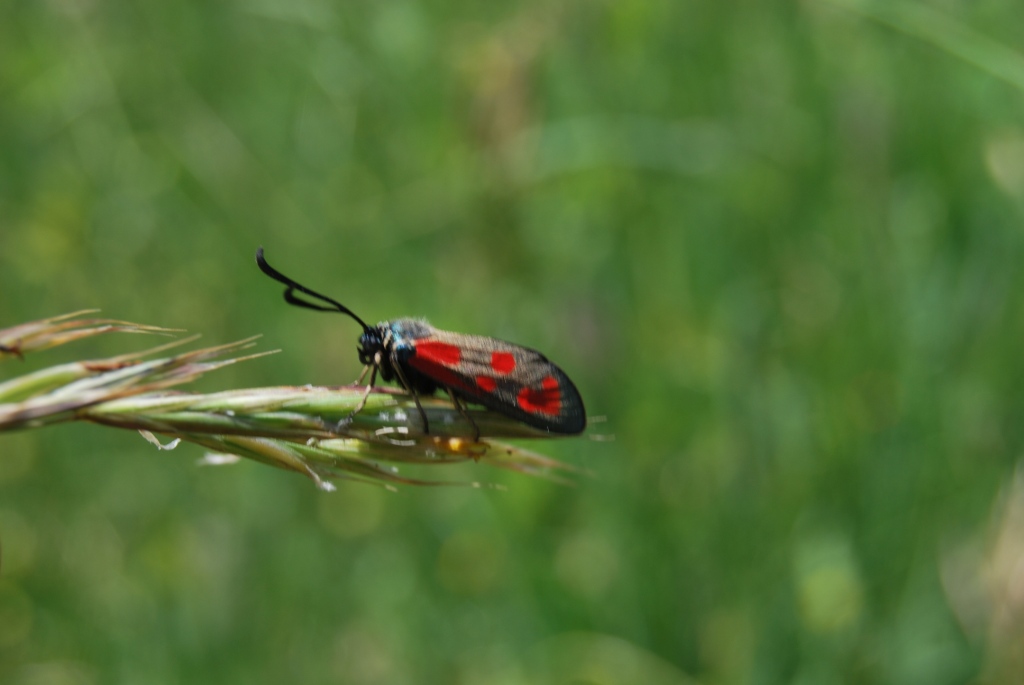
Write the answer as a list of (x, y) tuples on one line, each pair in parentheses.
[(512, 380)]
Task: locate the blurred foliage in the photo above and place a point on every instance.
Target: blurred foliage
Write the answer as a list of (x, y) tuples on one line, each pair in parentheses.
[(775, 243)]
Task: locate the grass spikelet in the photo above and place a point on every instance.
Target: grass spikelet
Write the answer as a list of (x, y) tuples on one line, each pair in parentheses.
[(310, 430)]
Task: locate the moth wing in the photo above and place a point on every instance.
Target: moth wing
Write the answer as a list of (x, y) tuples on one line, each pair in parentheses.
[(513, 380)]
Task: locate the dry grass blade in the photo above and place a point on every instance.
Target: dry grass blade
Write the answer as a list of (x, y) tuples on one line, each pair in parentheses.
[(59, 330)]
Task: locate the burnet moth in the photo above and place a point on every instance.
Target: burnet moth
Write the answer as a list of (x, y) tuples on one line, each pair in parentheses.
[(512, 380)]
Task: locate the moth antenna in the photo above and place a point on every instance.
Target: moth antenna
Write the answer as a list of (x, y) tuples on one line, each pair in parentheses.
[(291, 298)]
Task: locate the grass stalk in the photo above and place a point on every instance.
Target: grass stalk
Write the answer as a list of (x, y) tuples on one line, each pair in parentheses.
[(310, 430)]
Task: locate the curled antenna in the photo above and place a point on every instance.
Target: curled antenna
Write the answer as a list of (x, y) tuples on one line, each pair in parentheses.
[(291, 298)]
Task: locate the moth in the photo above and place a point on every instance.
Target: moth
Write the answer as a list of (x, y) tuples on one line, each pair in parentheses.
[(507, 378)]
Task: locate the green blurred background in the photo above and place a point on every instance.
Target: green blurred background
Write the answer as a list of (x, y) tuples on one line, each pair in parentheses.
[(776, 244)]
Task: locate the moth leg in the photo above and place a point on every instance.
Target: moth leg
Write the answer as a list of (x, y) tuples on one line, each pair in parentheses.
[(359, 381), (465, 414), (415, 396), (423, 414), (362, 401)]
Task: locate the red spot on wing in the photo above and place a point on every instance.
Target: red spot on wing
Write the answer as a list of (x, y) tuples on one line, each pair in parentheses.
[(547, 399), (486, 383), (503, 362), (438, 352)]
